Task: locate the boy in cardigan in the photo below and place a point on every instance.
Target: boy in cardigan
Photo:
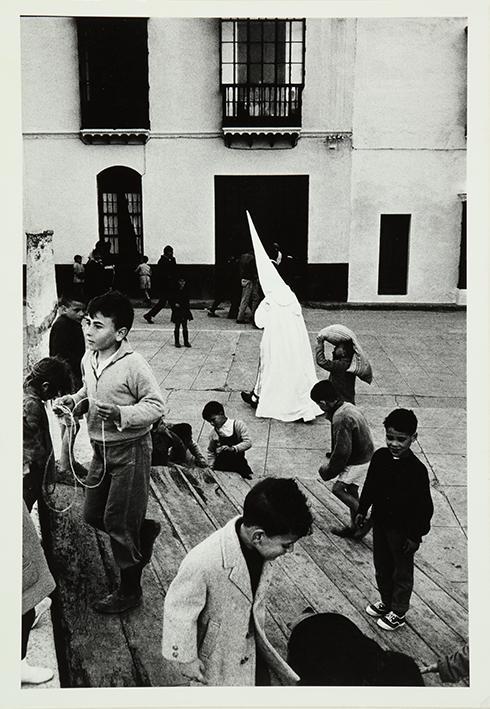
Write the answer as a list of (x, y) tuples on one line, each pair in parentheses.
[(124, 400), (214, 610), (228, 441), (397, 488)]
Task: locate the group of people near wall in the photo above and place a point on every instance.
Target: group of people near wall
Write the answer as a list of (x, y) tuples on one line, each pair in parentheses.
[(214, 610)]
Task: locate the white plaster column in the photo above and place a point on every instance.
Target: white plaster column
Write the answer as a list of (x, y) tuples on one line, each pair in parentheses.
[(41, 298)]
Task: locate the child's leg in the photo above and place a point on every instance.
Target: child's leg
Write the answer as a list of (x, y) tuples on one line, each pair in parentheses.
[(402, 573), (383, 565), (233, 462), (176, 334), (348, 494), (97, 492), (185, 333)]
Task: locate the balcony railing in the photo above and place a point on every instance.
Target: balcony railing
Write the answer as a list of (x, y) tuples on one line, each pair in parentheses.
[(262, 105)]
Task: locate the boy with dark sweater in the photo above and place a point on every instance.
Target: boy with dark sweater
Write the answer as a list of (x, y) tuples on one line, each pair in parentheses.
[(66, 341), (124, 400), (397, 488)]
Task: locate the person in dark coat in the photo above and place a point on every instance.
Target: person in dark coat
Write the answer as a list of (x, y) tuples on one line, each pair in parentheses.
[(97, 276), (181, 313), (166, 278), (328, 649), (37, 583), (227, 287)]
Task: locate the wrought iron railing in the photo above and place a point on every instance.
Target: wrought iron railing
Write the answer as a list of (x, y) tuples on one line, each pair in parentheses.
[(265, 105)]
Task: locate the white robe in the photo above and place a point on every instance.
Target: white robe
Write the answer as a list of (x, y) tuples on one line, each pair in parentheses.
[(286, 369)]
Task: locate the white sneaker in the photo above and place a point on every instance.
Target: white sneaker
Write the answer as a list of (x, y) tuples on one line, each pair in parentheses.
[(30, 674), (41, 608)]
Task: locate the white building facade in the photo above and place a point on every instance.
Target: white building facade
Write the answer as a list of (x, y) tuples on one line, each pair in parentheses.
[(344, 138)]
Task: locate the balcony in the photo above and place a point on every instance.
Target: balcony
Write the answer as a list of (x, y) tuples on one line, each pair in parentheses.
[(272, 111)]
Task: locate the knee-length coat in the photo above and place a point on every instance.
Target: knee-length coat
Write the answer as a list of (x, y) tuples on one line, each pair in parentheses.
[(210, 613)]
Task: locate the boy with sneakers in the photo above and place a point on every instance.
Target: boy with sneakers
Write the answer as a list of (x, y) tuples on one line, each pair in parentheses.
[(397, 487), (124, 400), (214, 610), (228, 441)]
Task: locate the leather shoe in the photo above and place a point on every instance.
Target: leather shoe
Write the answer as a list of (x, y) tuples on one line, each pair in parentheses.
[(248, 398), (116, 602)]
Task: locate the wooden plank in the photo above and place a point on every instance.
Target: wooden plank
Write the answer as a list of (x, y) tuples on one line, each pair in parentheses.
[(92, 648)]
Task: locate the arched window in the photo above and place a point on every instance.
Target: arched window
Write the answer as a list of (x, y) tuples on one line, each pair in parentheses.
[(121, 212)]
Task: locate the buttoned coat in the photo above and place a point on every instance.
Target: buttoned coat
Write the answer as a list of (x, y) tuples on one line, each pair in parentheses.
[(210, 613)]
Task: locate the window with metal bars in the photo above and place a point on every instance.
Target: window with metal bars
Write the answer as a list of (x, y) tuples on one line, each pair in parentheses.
[(121, 211), (262, 71)]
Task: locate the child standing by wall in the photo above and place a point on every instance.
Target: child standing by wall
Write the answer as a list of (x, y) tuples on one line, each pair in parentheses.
[(143, 271), (181, 313), (214, 610), (228, 441), (397, 488), (66, 341), (48, 378), (124, 400)]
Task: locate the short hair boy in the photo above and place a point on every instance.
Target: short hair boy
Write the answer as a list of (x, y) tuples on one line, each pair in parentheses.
[(397, 488), (66, 341), (124, 400), (214, 610), (228, 441), (352, 448)]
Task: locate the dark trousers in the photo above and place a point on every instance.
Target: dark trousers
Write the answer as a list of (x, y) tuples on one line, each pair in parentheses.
[(32, 484), (232, 461), (185, 331), (118, 505), (27, 621), (161, 303), (393, 568)]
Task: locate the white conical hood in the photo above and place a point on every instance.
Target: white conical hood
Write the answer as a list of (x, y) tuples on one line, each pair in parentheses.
[(270, 281)]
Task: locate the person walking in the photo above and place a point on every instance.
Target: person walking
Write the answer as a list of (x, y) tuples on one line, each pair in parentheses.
[(166, 276)]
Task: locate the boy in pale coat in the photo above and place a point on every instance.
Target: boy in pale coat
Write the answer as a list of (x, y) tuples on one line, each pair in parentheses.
[(214, 610)]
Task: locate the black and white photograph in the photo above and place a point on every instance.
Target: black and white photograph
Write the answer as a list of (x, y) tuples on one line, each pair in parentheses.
[(242, 289)]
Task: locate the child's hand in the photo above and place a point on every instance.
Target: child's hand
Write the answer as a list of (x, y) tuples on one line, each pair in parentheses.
[(108, 412), (425, 669), (62, 402), (193, 670), (410, 546)]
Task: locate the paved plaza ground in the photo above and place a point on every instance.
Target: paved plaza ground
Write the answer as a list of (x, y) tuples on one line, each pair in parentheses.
[(418, 361)]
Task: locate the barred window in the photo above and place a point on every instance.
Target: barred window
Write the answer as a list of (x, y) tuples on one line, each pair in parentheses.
[(121, 210)]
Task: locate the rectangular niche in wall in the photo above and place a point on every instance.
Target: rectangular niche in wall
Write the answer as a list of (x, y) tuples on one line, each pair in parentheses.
[(393, 254)]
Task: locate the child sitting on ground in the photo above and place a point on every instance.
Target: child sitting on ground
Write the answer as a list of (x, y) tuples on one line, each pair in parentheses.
[(48, 378), (214, 609), (228, 441), (174, 442), (124, 400), (67, 342), (397, 488)]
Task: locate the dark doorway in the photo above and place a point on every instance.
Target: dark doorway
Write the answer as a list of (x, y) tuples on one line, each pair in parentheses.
[(393, 254), (278, 205)]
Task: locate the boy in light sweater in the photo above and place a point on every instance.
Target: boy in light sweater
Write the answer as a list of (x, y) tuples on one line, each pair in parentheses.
[(124, 400)]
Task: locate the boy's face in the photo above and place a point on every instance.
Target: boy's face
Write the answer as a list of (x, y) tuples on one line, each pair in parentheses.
[(271, 547), (398, 442), (328, 407), (74, 310), (101, 334), (217, 420)]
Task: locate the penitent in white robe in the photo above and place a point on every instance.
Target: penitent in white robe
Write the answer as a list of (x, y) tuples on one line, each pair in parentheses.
[(286, 368)]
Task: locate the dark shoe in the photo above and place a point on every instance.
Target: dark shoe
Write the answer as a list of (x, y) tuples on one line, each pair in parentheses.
[(212, 314), (177, 344), (360, 532), (342, 531), (187, 344), (148, 318), (328, 455), (377, 610), (249, 398), (149, 532), (116, 602), (391, 621), (246, 476)]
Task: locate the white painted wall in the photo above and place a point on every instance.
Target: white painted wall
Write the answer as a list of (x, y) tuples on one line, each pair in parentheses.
[(425, 185)]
